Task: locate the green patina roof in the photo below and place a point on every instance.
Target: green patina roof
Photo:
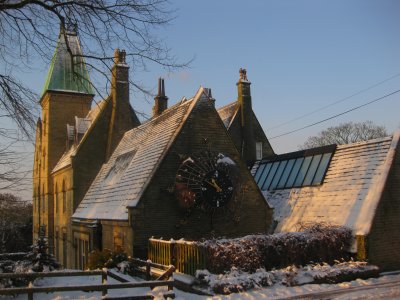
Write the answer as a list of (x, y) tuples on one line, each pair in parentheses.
[(61, 76)]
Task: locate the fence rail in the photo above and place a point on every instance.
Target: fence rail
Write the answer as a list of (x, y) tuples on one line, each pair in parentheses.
[(103, 287), (186, 256)]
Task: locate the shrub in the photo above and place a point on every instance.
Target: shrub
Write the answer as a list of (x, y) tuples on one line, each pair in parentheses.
[(106, 258), (317, 243)]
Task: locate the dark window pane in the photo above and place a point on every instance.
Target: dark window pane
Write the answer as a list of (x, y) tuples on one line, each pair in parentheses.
[(303, 171), (319, 176), (264, 174), (312, 169), (286, 174), (278, 175), (259, 172), (270, 176), (294, 172)]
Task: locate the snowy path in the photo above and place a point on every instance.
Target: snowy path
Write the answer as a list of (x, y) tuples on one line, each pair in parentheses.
[(385, 287)]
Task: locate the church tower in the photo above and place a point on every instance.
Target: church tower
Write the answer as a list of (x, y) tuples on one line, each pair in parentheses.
[(67, 93)]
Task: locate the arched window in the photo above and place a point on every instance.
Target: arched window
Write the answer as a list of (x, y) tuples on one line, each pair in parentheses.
[(38, 199), (44, 125), (64, 197), (56, 198), (43, 200)]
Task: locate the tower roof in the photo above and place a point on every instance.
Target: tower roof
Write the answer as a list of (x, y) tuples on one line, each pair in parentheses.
[(66, 74)]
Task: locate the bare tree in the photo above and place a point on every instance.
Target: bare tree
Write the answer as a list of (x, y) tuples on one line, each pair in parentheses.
[(346, 133), (15, 224), (29, 29)]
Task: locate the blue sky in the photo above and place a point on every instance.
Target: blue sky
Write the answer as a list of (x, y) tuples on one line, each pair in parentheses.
[(300, 56)]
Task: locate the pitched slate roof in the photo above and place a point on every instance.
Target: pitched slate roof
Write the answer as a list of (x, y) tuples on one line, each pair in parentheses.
[(227, 113), (64, 75), (122, 180), (349, 194)]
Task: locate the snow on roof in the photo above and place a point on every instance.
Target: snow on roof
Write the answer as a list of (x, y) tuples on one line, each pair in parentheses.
[(88, 122), (110, 199), (227, 112), (349, 195)]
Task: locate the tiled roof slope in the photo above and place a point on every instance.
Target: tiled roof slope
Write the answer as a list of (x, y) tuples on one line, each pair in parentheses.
[(227, 112), (349, 195), (93, 114), (144, 147)]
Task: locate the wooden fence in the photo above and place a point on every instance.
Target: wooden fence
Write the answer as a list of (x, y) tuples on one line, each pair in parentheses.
[(103, 287), (186, 256)]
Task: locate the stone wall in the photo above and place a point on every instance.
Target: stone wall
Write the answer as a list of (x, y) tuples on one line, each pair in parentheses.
[(158, 213), (383, 242)]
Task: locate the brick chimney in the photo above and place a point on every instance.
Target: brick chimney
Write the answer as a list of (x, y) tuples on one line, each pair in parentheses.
[(121, 115), (248, 148), (160, 101)]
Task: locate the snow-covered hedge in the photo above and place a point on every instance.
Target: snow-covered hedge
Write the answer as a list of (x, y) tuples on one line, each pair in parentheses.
[(317, 243), (236, 281)]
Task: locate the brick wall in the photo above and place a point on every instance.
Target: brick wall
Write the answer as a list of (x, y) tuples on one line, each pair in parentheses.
[(383, 242)]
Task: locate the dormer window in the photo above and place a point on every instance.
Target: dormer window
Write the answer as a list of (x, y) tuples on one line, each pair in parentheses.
[(121, 163)]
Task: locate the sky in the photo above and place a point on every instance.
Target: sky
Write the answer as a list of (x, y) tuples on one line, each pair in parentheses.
[(300, 55)]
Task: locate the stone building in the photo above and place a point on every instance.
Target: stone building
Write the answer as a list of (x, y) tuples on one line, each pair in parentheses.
[(243, 126), (103, 180), (354, 185)]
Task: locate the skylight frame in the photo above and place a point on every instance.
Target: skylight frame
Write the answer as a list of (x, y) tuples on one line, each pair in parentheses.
[(272, 173)]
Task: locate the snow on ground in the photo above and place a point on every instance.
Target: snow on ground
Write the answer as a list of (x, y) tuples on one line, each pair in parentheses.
[(279, 291), (275, 292)]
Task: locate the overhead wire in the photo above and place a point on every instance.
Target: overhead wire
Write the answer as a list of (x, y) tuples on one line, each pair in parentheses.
[(337, 115), (334, 103)]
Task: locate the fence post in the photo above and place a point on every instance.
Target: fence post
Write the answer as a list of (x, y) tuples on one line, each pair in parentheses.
[(30, 293), (148, 275), (172, 258), (104, 282)]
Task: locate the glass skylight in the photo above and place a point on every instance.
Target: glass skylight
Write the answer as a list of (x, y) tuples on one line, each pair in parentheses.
[(296, 169)]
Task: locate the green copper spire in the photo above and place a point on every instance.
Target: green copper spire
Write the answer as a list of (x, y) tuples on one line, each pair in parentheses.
[(62, 76)]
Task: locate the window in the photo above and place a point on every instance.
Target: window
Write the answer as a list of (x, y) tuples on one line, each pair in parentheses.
[(296, 169), (116, 171), (259, 148), (56, 198), (64, 197), (38, 199), (82, 249), (65, 251), (118, 242), (43, 200)]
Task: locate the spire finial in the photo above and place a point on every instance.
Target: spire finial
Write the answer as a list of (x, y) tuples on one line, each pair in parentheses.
[(243, 74)]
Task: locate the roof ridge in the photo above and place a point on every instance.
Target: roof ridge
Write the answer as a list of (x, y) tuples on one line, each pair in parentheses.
[(368, 142), (227, 105)]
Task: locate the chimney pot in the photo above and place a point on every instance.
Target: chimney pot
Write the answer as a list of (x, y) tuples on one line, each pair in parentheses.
[(160, 101)]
